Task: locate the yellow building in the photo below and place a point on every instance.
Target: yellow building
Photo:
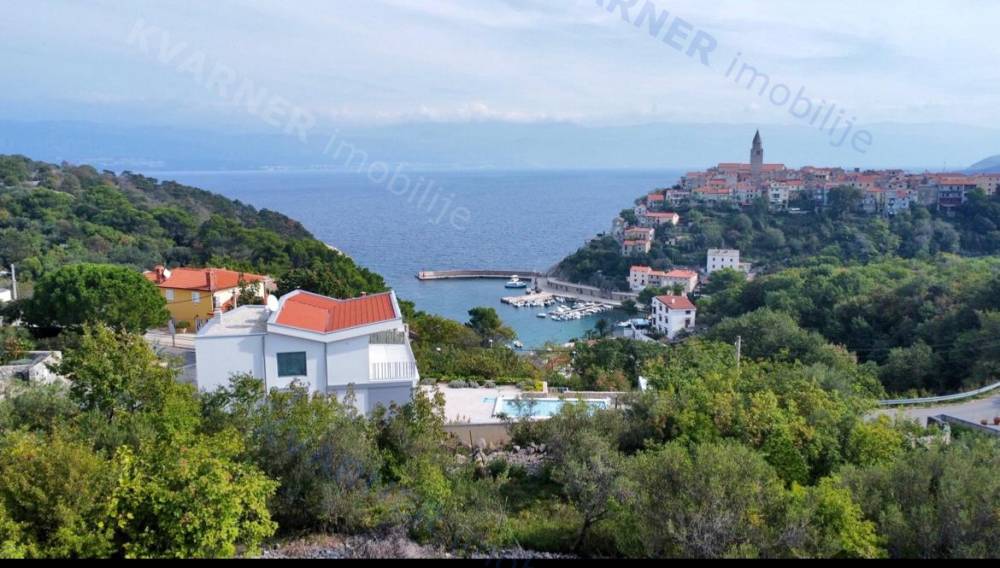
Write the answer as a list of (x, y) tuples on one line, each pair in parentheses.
[(194, 294)]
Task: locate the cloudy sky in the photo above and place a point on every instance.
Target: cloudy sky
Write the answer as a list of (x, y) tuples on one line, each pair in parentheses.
[(386, 61)]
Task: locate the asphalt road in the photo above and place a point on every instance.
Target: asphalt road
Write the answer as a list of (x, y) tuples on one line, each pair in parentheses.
[(972, 411)]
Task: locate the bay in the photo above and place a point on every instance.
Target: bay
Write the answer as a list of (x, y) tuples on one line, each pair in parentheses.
[(502, 220)]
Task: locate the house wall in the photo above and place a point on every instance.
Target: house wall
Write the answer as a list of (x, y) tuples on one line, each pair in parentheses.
[(348, 362), (183, 308), (315, 351), (219, 358), (672, 322)]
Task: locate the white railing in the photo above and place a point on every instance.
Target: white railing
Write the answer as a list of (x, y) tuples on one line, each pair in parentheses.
[(938, 399), (395, 370)]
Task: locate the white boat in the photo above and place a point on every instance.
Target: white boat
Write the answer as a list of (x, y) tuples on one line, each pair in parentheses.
[(543, 316), (516, 283)]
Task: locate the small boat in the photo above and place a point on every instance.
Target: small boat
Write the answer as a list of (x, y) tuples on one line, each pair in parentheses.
[(518, 345), (516, 283), (543, 316)]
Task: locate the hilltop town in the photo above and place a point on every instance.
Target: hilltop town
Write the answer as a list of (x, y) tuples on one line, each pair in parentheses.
[(881, 192)]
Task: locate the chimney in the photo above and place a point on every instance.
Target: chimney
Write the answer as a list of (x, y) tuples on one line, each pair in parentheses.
[(159, 272), (211, 280)]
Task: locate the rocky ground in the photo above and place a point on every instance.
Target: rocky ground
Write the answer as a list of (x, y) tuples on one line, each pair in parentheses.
[(390, 546)]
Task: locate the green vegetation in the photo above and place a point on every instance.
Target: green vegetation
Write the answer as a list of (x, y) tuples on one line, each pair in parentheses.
[(53, 216), (930, 326), (778, 240), (71, 296), (448, 350)]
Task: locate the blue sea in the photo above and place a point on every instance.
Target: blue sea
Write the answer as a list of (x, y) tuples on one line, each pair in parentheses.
[(473, 220)]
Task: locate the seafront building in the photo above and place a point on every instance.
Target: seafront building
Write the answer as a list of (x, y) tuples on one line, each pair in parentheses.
[(672, 315), (642, 277), (336, 347)]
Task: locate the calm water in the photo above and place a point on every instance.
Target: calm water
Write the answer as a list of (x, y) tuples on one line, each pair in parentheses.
[(543, 408), (516, 221)]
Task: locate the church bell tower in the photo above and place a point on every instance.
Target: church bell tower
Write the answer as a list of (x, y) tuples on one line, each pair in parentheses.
[(757, 158)]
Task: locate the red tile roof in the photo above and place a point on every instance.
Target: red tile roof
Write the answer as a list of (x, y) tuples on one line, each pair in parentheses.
[(681, 274), (676, 302), (321, 314), (204, 279)]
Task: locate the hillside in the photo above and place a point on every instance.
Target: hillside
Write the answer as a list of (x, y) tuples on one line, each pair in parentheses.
[(52, 215), (990, 165), (776, 240)]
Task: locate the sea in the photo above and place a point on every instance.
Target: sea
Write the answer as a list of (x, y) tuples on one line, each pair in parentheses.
[(490, 220)]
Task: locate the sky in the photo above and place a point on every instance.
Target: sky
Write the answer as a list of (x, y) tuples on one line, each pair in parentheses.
[(280, 67), (391, 61)]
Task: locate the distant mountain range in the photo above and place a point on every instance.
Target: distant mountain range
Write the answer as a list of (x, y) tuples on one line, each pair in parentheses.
[(492, 145), (990, 165)]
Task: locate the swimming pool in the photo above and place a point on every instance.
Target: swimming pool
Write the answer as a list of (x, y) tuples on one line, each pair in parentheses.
[(540, 407)]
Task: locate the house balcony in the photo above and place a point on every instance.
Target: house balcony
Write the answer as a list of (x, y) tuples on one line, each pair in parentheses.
[(394, 371)]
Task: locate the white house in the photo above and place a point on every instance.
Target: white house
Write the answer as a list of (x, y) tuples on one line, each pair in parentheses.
[(6, 295), (673, 314), (330, 346), (642, 277), (720, 259)]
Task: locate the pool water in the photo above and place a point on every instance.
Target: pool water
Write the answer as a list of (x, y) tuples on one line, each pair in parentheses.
[(541, 407)]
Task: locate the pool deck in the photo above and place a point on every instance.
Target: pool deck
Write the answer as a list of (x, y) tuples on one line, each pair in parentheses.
[(469, 406)]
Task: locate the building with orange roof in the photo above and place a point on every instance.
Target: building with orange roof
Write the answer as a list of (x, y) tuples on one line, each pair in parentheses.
[(672, 315), (642, 277), (194, 294), (338, 347)]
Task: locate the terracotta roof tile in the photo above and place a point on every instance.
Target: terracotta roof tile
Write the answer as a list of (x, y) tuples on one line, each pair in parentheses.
[(206, 279), (320, 314), (676, 302)]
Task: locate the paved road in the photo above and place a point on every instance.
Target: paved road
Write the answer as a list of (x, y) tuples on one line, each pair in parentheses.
[(972, 411), (578, 292)]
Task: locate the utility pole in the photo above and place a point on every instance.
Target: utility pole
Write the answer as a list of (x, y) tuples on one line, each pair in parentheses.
[(739, 350), (13, 281)]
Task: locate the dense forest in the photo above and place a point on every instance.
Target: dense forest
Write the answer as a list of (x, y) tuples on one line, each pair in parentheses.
[(776, 240), (930, 325)]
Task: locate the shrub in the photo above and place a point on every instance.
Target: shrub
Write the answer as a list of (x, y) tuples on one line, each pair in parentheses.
[(490, 384), (458, 385)]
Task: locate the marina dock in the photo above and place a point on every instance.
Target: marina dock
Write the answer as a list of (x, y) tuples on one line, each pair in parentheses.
[(542, 300), (476, 274)]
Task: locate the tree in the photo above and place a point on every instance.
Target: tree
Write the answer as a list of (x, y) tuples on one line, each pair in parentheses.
[(630, 308), (824, 522), (190, 498), (936, 502), (708, 501), (590, 473), (94, 293), (488, 325), (116, 373), (55, 492), (602, 327), (320, 449)]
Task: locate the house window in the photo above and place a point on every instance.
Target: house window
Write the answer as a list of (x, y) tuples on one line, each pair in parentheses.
[(196, 297), (292, 364), (169, 295)]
